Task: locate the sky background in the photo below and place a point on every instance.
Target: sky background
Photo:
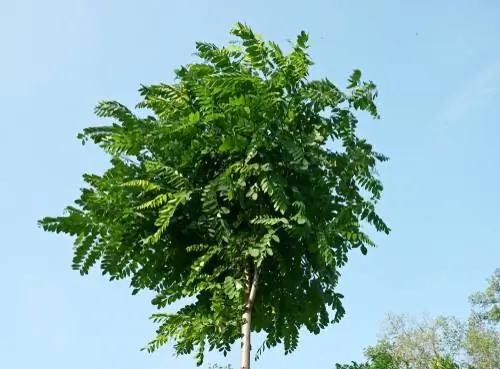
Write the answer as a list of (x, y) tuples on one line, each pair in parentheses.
[(437, 66)]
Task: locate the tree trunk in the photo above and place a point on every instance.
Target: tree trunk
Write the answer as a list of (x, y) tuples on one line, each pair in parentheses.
[(250, 291)]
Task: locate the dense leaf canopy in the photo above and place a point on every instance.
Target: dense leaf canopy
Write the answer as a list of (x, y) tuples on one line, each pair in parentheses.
[(232, 172)]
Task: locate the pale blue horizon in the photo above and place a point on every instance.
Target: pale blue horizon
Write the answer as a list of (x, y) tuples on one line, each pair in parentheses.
[(438, 74)]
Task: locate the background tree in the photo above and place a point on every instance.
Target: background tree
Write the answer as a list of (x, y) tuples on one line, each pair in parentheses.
[(445, 342), (439, 362), (228, 197), (482, 345), (218, 366), (483, 336), (353, 365), (415, 343), (378, 358), (488, 301)]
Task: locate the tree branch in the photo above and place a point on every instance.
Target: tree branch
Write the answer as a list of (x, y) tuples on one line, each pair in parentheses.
[(253, 288)]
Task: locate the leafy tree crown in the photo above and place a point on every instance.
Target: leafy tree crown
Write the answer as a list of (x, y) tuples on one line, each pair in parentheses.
[(231, 174)]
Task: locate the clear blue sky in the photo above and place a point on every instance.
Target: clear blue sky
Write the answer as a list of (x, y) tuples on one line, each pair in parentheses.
[(437, 65)]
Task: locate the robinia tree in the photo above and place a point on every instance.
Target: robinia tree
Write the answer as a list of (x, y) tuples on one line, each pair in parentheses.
[(229, 196)]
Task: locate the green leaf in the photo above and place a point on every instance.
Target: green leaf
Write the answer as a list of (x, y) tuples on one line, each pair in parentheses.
[(226, 145), (302, 39), (253, 252), (354, 78)]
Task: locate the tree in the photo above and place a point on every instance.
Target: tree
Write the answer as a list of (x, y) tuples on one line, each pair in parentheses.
[(415, 343), (379, 358), (482, 345), (387, 361), (228, 197), (483, 337), (443, 342), (488, 301)]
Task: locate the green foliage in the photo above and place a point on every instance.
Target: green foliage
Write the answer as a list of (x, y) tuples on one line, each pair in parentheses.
[(352, 365), (381, 359), (482, 345), (231, 177), (444, 342), (377, 359), (482, 342), (439, 362), (218, 366), (488, 301), (415, 342)]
